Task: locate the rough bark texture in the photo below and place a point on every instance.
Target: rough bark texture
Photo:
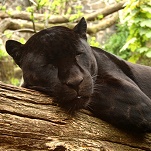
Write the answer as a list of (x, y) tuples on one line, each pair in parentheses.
[(30, 121)]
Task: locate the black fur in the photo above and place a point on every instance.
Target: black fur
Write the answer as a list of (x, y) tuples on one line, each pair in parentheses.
[(58, 61)]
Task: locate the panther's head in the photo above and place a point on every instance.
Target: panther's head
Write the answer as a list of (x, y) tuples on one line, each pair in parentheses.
[(58, 61)]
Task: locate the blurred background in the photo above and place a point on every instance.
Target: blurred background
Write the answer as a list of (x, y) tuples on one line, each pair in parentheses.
[(121, 27)]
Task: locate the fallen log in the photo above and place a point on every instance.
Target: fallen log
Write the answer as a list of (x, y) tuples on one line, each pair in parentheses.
[(30, 120)]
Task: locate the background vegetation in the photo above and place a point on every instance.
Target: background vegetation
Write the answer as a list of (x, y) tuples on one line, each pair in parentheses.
[(131, 40)]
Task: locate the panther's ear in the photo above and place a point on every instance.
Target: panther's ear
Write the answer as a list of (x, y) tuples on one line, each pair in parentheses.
[(81, 28), (13, 48)]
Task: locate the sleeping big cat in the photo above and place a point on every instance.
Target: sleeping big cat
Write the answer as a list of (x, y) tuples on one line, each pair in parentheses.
[(58, 61)]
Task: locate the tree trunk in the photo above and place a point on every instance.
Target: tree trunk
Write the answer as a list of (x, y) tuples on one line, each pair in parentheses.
[(30, 120)]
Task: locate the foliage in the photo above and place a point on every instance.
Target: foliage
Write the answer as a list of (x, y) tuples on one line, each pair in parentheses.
[(78, 14), (9, 73), (93, 42), (117, 40), (132, 40), (15, 81), (59, 7), (138, 19), (2, 50)]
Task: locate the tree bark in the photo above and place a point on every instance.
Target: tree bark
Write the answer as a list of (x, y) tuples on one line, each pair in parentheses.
[(30, 120)]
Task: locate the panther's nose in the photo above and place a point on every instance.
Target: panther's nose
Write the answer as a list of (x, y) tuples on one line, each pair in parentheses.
[(74, 82)]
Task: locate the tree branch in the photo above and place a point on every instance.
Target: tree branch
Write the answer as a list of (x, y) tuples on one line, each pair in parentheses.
[(30, 121), (15, 24), (10, 21), (106, 11), (62, 18), (104, 23)]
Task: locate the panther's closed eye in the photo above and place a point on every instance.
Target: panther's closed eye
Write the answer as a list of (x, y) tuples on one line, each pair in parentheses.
[(77, 57), (78, 54), (48, 66)]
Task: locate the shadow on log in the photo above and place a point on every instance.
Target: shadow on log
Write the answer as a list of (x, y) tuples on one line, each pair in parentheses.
[(30, 120)]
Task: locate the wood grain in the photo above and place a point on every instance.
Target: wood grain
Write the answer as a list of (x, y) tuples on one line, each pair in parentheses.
[(30, 120)]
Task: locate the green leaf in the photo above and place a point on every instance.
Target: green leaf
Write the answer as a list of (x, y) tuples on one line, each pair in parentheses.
[(148, 15), (131, 14), (143, 31), (137, 19), (22, 40), (146, 8), (146, 23), (9, 12), (2, 7), (100, 16), (69, 10), (148, 54), (15, 81), (8, 34), (127, 44), (19, 8), (148, 34), (43, 2), (133, 58), (30, 9), (72, 18), (142, 49)]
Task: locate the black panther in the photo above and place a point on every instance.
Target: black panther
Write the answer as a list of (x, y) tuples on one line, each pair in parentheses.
[(59, 62)]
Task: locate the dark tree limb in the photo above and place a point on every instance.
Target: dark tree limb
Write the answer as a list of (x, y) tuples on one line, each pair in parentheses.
[(30, 121)]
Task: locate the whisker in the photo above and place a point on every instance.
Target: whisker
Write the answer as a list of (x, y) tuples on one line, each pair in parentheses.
[(88, 105), (94, 76)]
